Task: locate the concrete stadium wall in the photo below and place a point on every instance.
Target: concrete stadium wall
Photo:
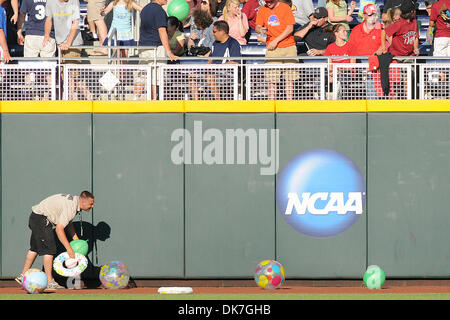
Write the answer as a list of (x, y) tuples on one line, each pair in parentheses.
[(219, 220)]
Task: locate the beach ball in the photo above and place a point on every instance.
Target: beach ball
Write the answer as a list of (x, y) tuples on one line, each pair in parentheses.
[(269, 274), (114, 275), (374, 277), (34, 281), (179, 9), (80, 246)]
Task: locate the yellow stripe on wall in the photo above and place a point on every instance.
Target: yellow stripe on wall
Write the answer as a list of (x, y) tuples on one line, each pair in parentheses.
[(321, 106), (408, 105), (46, 106), (154, 106), (230, 106), (263, 106)]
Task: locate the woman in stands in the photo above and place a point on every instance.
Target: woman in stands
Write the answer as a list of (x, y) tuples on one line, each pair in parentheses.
[(176, 36), (237, 20), (340, 47), (338, 13)]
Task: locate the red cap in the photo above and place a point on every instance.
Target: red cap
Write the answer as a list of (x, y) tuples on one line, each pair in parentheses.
[(370, 9)]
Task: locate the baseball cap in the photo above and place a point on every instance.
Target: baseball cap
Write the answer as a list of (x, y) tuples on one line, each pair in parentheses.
[(370, 9), (320, 12), (408, 6)]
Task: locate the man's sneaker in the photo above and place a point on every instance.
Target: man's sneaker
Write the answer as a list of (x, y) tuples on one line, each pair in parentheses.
[(53, 285), (19, 279)]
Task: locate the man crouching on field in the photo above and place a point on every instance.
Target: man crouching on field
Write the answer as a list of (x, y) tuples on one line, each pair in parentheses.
[(57, 210)]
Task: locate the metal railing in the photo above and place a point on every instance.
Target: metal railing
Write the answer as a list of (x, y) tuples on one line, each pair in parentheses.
[(135, 78)]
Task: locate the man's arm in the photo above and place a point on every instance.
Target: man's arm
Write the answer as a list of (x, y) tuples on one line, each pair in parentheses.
[(47, 30), (73, 32), (4, 45), (165, 42), (20, 23), (304, 31), (286, 33), (61, 234)]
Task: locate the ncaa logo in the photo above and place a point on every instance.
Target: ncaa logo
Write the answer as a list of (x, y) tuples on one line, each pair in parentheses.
[(320, 193)]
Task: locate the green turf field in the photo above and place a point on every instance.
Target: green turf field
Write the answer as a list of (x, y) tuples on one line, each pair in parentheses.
[(54, 296)]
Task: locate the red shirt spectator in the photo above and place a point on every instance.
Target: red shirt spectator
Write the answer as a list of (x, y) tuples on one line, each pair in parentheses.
[(334, 50), (340, 47), (442, 27), (250, 9), (404, 34), (366, 37), (366, 42)]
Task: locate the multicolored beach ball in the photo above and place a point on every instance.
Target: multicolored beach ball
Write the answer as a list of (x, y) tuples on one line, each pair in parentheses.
[(269, 274), (34, 281), (114, 275)]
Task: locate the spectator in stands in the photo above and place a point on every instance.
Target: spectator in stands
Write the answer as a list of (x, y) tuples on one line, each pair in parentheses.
[(392, 15), (317, 34), (177, 39), (64, 17), (388, 4), (431, 30), (236, 20), (153, 33), (340, 47), (220, 6), (32, 16), (34, 21), (94, 8), (250, 9), (201, 32), (193, 5), (302, 10), (362, 4), (224, 46), (121, 23), (4, 51), (366, 36), (440, 18), (338, 13), (402, 35), (279, 20)]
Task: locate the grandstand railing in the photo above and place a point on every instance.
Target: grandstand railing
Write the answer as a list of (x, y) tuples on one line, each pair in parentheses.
[(313, 78)]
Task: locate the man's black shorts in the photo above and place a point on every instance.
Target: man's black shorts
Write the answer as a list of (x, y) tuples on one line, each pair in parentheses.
[(42, 238)]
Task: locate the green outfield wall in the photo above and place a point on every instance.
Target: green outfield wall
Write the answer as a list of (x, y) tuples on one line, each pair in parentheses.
[(179, 195)]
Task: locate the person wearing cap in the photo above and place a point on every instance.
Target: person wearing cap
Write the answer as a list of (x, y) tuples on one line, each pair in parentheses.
[(366, 36), (277, 21), (317, 34), (440, 18), (402, 35), (389, 4)]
